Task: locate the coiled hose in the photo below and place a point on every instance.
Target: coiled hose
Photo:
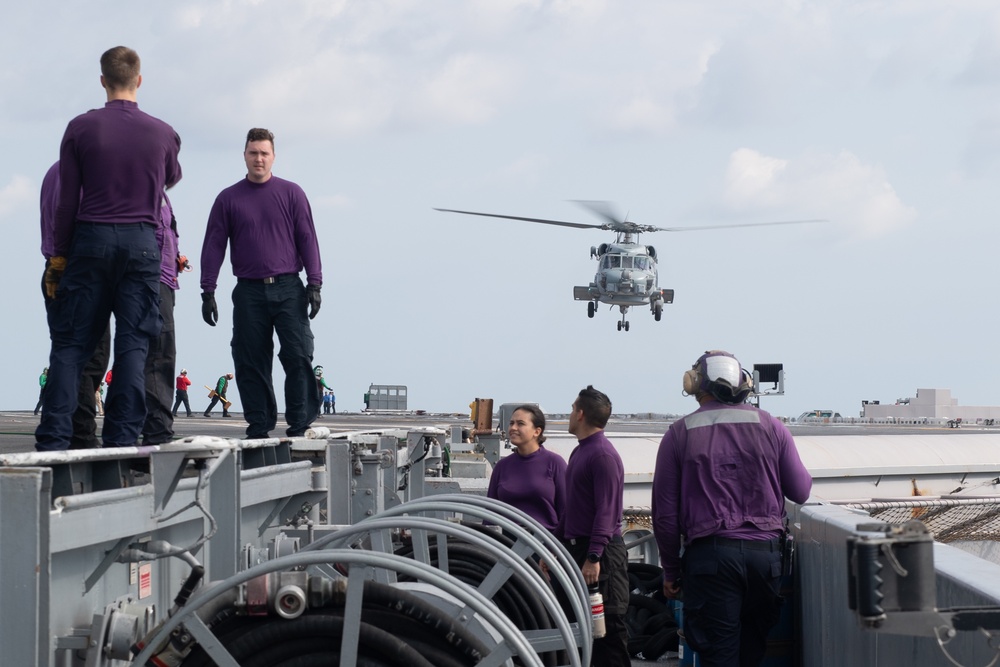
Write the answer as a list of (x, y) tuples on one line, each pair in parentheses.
[(652, 627), (397, 629), (515, 599)]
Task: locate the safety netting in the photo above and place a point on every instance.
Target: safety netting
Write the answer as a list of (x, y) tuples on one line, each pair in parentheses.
[(948, 519)]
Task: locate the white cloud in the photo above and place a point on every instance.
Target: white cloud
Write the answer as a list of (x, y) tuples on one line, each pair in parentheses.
[(855, 195), (752, 178), (19, 192), (468, 89)]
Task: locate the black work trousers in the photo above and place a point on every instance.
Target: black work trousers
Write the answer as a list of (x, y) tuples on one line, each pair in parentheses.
[(731, 598), (261, 310), (612, 583), (160, 360), (85, 415), (182, 397)]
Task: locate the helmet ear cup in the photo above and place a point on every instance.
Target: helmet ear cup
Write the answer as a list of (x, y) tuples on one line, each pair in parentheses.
[(698, 380), (692, 380)]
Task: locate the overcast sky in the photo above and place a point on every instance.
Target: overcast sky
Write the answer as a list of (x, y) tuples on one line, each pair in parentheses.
[(883, 117)]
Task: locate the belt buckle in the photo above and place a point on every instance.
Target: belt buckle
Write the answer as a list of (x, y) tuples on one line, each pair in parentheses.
[(269, 281)]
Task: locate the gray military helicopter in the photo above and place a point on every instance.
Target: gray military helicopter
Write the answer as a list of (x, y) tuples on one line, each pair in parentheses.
[(626, 274)]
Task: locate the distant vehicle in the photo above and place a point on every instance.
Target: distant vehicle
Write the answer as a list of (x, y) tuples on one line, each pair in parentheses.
[(819, 417)]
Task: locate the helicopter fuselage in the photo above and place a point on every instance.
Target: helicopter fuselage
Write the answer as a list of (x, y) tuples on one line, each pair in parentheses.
[(626, 274)]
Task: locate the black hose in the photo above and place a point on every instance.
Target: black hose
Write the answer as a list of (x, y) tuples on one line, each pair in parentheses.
[(516, 599), (429, 620), (395, 624), (318, 634)]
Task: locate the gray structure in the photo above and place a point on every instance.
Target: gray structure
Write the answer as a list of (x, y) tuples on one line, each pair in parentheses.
[(95, 545), (385, 397), (928, 405)]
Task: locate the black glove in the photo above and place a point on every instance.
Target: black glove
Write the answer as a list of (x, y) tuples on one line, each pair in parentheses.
[(314, 299), (209, 311)]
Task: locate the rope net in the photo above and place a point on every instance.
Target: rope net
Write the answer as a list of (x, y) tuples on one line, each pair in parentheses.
[(948, 519)]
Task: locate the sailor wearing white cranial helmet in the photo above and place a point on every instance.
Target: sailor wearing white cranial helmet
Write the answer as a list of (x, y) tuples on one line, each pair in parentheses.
[(719, 374)]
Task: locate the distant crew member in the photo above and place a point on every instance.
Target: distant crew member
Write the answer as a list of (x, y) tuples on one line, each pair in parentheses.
[(321, 388), (41, 388), (182, 392), (219, 394), (114, 164), (722, 475), (267, 223)]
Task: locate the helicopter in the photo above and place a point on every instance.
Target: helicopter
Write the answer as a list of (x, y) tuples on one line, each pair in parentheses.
[(626, 274)]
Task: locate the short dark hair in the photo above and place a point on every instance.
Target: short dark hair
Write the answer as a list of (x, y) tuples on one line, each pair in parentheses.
[(120, 68), (259, 134), (537, 418), (596, 406)]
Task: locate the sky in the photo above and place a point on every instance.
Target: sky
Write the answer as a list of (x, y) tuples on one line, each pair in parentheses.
[(881, 117)]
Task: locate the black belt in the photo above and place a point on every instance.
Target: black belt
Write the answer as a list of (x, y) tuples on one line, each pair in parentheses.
[(772, 544), (267, 281), (586, 540), (116, 225)]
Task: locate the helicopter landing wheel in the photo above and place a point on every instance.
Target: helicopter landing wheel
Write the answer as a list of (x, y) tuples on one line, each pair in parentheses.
[(619, 326), (591, 309), (626, 326), (657, 311)]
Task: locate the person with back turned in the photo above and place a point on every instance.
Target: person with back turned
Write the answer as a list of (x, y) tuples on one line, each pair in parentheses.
[(268, 225), (182, 385), (722, 475), (114, 164), (590, 528), (87, 405)]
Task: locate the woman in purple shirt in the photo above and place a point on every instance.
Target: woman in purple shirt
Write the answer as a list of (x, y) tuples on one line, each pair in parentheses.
[(533, 478)]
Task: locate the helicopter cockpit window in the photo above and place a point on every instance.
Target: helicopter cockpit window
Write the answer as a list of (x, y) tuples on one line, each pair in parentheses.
[(614, 261), (642, 263)]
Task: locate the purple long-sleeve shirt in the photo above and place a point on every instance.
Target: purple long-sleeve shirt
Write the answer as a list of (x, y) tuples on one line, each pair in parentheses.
[(166, 238), (121, 159), (47, 206), (595, 484), (269, 229), (723, 470), (534, 484)]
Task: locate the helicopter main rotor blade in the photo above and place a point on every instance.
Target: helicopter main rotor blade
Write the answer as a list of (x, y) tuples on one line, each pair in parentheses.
[(743, 224), (603, 209), (578, 225)]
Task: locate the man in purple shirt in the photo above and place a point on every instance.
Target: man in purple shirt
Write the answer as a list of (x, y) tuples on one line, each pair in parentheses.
[(268, 225), (722, 475), (161, 358), (591, 532), (85, 416), (114, 164)]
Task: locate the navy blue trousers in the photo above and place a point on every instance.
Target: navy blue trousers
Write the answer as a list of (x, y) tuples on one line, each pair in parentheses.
[(259, 311), (111, 269), (159, 371), (85, 415), (731, 599)]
